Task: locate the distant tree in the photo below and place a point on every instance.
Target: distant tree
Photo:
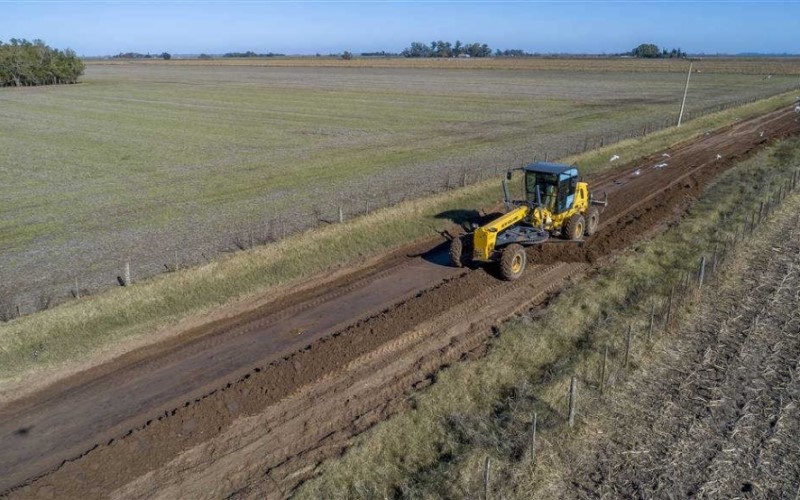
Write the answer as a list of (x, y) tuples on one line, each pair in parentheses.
[(646, 50), (204, 56), (457, 48), (417, 49), (347, 55), (166, 56)]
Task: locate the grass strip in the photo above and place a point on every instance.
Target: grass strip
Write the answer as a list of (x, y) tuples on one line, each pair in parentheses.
[(72, 332), (485, 407)]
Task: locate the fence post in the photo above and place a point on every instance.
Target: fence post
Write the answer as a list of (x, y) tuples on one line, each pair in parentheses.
[(652, 318), (486, 478), (760, 210), (18, 312), (702, 272), (603, 371), (341, 214), (126, 275), (573, 396), (77, 289), (533, 439), (628, 341)]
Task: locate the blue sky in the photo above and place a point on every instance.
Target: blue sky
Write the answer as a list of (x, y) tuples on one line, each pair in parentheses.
[(100, 28)]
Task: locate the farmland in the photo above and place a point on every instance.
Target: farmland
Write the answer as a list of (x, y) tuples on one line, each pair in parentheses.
[(249, 403), (165, 164)]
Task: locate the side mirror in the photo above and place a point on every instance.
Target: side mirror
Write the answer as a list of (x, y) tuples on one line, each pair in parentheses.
[(508, 175)]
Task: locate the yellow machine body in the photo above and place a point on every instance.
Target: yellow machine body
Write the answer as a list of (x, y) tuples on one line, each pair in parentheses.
[(548, 211), (485, 237)]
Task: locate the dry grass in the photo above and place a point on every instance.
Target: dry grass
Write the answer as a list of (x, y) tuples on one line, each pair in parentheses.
[(64, 337), (485, 407)]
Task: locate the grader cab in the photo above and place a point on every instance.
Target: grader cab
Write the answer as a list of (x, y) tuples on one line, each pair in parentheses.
[(556, 204)]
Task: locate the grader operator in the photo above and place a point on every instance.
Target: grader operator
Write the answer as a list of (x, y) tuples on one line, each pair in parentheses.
[(555, 204)]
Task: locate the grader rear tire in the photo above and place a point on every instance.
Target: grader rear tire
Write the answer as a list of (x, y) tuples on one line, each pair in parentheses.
[(512, 262), (457, 252), (592, 221), (575, 227)]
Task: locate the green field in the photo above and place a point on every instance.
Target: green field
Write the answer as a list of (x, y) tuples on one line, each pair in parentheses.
[(158, 163)]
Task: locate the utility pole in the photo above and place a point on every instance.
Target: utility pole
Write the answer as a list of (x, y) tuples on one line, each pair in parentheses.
[(685, 91)]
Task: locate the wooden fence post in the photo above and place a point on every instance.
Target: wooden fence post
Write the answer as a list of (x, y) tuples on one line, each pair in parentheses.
[(341, 214), (628, 341), (77, 289), (573, 397), (533, 439), (652, 318), (486, 477), (603, 371), (18, 311), (714, 264), (702, 272), (668, 317), (126, 275)]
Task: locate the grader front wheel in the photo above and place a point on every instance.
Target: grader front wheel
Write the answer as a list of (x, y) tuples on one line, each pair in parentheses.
[(575, 227), (512, 262)]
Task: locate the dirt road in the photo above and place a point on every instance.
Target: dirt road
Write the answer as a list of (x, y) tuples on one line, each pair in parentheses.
[(718, 415), (250, 404)]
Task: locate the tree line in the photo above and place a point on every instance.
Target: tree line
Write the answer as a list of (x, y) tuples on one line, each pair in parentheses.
[(652, 51), (26, 63), (250, 53), (136, 55), (446, 49)]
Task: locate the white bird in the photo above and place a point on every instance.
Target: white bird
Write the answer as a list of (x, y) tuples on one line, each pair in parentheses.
[(719, 156), (761, 134), (797, 109), (637, 172), (665, 155), (614, 158), (660, 165)]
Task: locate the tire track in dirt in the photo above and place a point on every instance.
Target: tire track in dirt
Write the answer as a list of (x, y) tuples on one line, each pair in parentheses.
[(260, 390)]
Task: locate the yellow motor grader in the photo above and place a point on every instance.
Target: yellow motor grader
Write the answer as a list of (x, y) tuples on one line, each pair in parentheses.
[(555, 204)]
